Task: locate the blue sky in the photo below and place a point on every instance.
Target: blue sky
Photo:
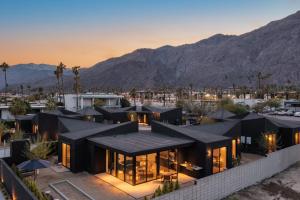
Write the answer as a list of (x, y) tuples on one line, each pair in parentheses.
[(84, 32)]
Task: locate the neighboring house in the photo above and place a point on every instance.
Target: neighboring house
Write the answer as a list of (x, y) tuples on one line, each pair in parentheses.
[(89, 99), (90, 114), (48, 122), (142, 114), (257, 133), (7, 116), (221, 115)]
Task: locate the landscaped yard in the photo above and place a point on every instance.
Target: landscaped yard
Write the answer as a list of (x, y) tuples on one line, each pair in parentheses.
[(283, 186)]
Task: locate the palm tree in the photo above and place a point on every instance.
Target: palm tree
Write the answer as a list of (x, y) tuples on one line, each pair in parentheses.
[(60, 69), (28, 88), (132, 94), (4, 68), (22, 90), (59, 72), (76, 85), (57, 75)]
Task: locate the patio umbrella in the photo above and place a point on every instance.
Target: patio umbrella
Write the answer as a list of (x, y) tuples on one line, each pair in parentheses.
[(34, 164)]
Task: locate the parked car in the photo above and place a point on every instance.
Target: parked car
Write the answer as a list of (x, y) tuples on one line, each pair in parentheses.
[(297, 114), (289, 113)]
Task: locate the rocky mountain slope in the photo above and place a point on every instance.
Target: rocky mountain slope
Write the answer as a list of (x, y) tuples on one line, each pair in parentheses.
[(218, 61)]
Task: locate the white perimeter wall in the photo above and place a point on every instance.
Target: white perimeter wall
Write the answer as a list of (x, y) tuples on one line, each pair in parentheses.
[(232, 180)]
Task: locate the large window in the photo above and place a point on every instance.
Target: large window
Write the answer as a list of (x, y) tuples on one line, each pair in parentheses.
[(219, 159), (129, 170), (66, 155), (271, 142), (168, 161), (151, 166), (120, 167), (233, 149), (141, 163), (297, 138)]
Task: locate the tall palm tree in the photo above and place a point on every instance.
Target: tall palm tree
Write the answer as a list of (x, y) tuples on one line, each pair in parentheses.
[(4, 68), (132, 94), (62, 67), (60, 76), (57, 75), (76, 84)]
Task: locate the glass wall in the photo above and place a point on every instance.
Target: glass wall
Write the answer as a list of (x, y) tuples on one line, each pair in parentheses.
[(141, 163), (142, 168), (168, 161), (271, 142), (219, 159), (129, 170), (120, 166), (151, 166), (297, 138), (66, 155), (233, 149)]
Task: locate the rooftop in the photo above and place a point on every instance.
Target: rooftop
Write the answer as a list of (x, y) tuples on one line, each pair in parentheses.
[(221, 114), (77, 125), (140, 142), (219, 128), (80, 134), (199, 135), (88, 111)]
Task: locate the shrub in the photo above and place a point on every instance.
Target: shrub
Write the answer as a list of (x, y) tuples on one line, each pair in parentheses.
[(177, 186), (158, 192), (165, 188), (171, 186)]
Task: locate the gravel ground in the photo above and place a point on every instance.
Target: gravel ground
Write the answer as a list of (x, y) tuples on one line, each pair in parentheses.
[(283, 186)]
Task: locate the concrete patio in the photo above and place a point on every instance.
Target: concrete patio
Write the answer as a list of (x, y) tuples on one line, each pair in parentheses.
[(94, 187), (141, 190)]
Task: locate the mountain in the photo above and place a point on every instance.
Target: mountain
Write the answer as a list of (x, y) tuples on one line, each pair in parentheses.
[(30, 74), (219, 61)]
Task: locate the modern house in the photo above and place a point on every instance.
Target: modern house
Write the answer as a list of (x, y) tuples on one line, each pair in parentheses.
[(89, 99), (48, 122), (229, 128), (257, 133), (137, 156), (288, 131)]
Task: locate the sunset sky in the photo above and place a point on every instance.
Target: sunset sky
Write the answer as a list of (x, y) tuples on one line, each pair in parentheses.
[(84, 32)]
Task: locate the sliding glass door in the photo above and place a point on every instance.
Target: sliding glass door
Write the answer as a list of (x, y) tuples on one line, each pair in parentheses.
[(219, 160), (66, 155)]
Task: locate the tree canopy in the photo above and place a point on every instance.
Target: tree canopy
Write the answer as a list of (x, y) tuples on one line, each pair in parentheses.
[(19, 107)]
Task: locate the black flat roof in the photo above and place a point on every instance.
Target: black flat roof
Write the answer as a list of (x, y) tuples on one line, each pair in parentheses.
[(221, 114), (219, 128), (76, 135), (25, 117), (199, 135), (140, 142), (77, 124), (88, 111), (158, 109), (284, 123), (252, 116)]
